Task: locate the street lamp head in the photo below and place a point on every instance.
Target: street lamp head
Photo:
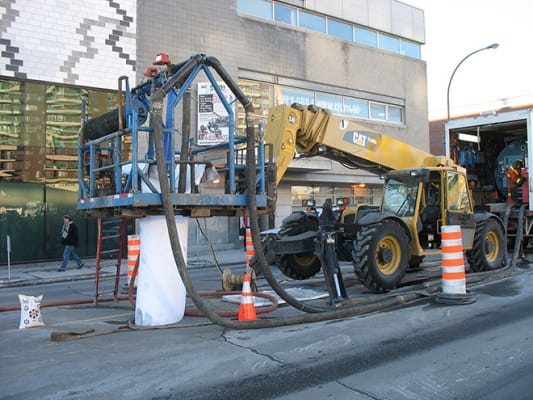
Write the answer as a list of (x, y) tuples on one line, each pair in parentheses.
[(492, 46)]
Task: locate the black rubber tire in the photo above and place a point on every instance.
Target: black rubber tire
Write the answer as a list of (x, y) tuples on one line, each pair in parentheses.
[(489, 247), (381, 255), (298, 222), (299, 266), (303, 265), (270, 256)]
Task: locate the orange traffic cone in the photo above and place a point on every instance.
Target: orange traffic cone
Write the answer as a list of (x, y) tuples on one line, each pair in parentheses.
[(247, 308), (250, 251)]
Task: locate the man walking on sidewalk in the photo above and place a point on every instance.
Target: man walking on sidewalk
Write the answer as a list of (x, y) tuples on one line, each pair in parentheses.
[(69, 238)]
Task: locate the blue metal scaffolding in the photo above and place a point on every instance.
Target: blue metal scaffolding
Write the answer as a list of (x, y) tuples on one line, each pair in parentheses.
[(113, 181)]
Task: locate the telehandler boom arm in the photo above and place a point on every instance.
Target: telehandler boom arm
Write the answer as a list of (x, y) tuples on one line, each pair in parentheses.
[(312, 131)]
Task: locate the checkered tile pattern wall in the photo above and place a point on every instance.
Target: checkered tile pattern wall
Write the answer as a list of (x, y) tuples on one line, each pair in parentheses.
[(82, 42)]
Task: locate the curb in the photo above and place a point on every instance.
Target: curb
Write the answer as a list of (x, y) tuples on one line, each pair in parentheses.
[(80, 277)]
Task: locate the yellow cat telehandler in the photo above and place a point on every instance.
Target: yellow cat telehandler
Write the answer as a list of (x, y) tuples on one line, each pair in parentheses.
[(421, 193)]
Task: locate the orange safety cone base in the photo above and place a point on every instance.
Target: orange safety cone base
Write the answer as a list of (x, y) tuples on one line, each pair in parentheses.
[(247, 313), (247, 308)]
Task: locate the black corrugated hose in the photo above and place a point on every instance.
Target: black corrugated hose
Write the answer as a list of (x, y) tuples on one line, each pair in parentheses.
[(313, 314)]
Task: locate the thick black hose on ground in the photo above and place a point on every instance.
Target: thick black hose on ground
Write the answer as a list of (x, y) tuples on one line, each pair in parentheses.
[(195, 296), (176, 79), (315, 313)]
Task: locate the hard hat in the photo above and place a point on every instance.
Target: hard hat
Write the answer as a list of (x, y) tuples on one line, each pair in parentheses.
[(161, 59), (151, 71)]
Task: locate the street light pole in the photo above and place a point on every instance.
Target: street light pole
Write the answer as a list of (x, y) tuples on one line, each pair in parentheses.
[(492, 46)]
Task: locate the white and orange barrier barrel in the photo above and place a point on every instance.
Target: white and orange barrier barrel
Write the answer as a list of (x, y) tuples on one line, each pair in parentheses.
[(453, 267), (134, 249)]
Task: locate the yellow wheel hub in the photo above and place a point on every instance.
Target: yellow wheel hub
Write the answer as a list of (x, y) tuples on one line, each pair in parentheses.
[(492, 246), (388, 255)]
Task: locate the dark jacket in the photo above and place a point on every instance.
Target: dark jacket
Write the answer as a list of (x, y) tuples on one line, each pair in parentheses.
[(69, 234)]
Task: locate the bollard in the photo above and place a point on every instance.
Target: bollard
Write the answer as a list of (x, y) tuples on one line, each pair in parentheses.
[(453, 268)]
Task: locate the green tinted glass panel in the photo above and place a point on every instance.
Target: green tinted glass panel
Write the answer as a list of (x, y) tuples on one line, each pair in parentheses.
[(22, 215), (61, 200)]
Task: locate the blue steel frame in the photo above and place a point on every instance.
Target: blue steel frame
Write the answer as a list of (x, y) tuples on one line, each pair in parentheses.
[(130, 193)]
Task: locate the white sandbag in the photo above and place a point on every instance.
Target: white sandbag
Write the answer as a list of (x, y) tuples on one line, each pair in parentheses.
[(30, 311), (160, 290)]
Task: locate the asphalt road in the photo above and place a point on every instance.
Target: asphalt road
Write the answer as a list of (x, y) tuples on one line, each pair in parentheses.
[(423, 350)]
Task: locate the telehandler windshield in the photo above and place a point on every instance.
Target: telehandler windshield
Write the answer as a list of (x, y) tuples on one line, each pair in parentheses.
[(400, 195)]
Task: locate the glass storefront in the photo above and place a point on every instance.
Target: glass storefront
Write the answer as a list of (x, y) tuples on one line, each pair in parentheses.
[(39, 126), (356, 194)]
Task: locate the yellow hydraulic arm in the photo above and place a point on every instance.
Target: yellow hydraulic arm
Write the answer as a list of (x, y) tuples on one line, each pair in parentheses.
[(311, 131)]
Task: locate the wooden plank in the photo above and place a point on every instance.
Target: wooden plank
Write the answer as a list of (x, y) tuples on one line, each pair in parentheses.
[(61, 157)]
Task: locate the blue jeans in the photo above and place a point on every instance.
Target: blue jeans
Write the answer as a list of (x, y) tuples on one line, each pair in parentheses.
[(69, 252)]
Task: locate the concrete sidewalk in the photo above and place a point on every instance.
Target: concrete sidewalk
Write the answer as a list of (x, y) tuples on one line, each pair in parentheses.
[(46, 272)]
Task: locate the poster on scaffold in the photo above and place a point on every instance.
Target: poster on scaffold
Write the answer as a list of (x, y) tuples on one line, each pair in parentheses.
[(213, 117)]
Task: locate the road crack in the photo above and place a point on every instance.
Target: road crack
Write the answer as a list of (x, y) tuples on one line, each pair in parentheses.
[(367, 394), (251, 349)]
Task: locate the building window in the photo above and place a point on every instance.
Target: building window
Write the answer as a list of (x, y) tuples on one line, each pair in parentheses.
[(297, 16), (312, 21), (259, 8), (262, 96), (330, 101), (356, 107), (285, 14), (40, 125), (366, 37), (394, 114), (377, 111), (389, 43), (356, 194), (287, 95), (410, 49), (265, 95), (340, 29)]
